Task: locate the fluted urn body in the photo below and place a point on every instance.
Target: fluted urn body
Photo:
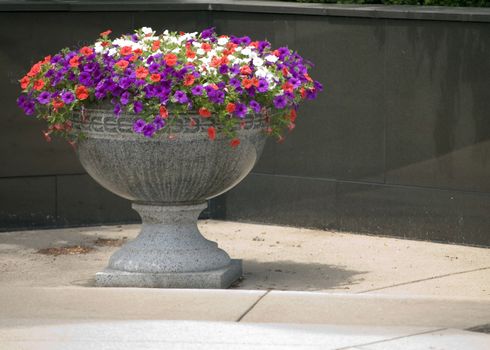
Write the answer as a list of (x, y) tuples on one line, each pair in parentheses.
[(168, 178)]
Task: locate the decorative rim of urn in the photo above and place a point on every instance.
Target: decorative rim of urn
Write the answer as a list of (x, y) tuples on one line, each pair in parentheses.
[(186, 168), (168, 181)]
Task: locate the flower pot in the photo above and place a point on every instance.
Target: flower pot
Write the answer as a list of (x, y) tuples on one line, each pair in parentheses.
[(168, 179)]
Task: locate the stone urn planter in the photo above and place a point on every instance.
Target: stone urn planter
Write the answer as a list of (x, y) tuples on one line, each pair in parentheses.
[(168, 180), (169, 120)]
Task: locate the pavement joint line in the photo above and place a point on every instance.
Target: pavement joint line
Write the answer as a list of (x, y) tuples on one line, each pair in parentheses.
[(360, 346), (423, 280), (253, 305)]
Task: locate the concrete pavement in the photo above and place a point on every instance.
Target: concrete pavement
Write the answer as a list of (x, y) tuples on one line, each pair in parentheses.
[(303, 289)]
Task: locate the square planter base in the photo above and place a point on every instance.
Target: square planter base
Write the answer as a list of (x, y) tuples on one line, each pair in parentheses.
[(214, 279)]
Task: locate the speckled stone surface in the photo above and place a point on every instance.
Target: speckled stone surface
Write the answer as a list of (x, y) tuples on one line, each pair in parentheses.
[(212, 279), (168, 180)]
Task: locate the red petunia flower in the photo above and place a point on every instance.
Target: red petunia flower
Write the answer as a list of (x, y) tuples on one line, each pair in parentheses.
[(38, 84), (155, 78), (204, 112), (189, 80), (303, 92), (47, 59), (211, 133), (141, 72), (126, 50), (292, 115), (155, 45), (234, 142), (245, 70), (86, 51), (163, 112), (57, 104), (247, 83), (190, 54), (24, 82), (122, 64), (75, 61), (215, 62), (287, 86), (106, 33), (230, 107), (81, 92), (34, 70), (170, 59), (206, 47)]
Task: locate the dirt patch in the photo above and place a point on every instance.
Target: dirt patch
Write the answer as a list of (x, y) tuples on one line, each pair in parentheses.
[(72, 250), (110, 242)]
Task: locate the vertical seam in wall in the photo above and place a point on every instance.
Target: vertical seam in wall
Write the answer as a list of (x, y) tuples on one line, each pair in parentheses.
[(385, 118), (336, 206), (56, 216)]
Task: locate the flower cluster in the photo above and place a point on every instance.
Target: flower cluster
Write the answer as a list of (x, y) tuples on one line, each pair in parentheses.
[(161, 77)]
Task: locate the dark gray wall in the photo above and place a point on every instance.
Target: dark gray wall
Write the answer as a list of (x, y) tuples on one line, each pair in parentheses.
[(398, 144)]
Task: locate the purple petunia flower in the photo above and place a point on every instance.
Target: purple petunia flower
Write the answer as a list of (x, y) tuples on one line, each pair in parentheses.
[(89, 67), (223, 69), (255, 106), (154, 68), (318, 86), (240, 110), (29, 107), (235, 69), (99, 94), (181, 97), (85, 78), (149, 130), (117, 109), (263, 85), (21, 100), (216, 96), (125, 97), (139, 125), (158, 122), (207, 33), (235, 83), (280, 101), (263, 45), (56, 58), (245, 40), (197, 90), (126, 82), (68, 97), (44, 98), (138, 107)]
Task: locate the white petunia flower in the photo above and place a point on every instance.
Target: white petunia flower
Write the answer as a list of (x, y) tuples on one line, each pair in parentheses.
[(98, 48), (246, 51), (200, 52), (271, 58), (147, 30), (258, 62), (112, 51), (222, 41)]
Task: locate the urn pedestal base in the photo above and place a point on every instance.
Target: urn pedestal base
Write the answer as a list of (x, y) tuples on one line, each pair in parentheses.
[(215, 279), (170, 252)]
